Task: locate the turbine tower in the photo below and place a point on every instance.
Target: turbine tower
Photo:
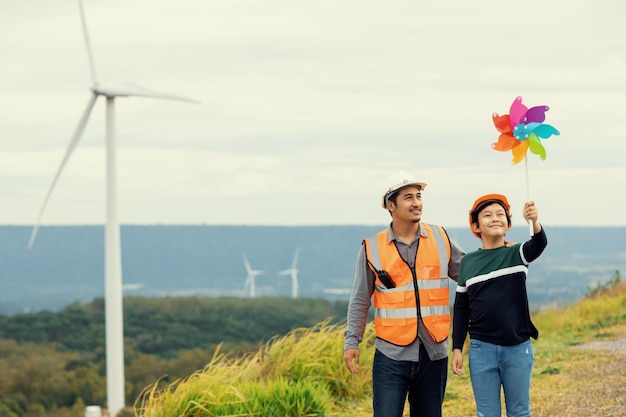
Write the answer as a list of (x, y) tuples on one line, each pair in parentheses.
[(114, 323), (250, 284), (293, 271)]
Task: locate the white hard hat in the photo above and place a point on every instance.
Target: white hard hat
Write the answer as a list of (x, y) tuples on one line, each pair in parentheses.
[(399, 180)]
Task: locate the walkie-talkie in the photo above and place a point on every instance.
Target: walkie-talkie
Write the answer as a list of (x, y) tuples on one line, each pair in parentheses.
[(384, 277)]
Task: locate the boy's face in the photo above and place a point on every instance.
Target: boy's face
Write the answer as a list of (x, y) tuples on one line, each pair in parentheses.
[(492, 221), (408, 205)]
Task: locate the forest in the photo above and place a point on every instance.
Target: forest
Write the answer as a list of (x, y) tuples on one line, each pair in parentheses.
[(53, 363)]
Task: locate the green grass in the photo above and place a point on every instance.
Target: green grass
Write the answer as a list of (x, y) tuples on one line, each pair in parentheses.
[(302, 373)]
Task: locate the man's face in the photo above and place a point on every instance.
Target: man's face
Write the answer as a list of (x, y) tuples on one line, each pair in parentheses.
[(408, 205)]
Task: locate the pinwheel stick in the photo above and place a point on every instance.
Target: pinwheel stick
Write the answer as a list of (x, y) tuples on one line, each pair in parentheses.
[(531, 230)]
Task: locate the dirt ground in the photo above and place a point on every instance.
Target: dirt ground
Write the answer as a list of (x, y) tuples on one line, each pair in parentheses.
[(618, 345), (605, 385)]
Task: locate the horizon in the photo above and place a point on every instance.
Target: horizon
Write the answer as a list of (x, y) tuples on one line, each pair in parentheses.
[(382, 225), (67, 262)]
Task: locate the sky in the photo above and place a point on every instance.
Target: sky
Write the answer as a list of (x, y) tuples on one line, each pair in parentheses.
[(305, 109)]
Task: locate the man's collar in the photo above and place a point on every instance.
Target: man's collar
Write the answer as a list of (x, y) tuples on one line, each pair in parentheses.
[(391, 236)]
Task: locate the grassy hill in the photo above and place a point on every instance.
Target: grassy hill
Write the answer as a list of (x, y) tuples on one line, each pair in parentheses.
[(302, 374)]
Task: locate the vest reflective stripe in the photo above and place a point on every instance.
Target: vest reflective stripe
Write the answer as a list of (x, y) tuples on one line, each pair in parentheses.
[(443, 248), (426, 284), (397, 313), (395, 309), (436, 311), (410, 312), (423, 284)]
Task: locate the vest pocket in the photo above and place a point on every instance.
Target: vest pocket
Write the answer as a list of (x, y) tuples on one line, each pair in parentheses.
[(392, 299), (392, 309), (426, 271), (438, 295)]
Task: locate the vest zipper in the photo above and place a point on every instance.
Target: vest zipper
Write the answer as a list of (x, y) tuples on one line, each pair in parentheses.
[(415, 286)]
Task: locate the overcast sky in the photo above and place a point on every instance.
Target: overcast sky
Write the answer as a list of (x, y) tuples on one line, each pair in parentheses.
[(307, 106)]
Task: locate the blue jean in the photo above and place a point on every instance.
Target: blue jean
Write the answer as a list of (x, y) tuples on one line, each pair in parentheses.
[(494, 366), (424, 381)]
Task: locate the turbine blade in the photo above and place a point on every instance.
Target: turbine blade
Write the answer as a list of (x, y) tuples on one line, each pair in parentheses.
[(70, 149), (247, 264), (131, 90), (92, 67), (295, 258)]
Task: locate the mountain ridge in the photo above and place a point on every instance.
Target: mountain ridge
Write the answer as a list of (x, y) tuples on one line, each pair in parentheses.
[(66, 264)]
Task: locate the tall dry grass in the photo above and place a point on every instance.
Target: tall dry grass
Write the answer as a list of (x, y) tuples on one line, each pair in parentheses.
[(302, 373)]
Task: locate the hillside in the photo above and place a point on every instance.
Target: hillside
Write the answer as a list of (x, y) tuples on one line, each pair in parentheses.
[(303, 373), (66, 263), (53, 363)]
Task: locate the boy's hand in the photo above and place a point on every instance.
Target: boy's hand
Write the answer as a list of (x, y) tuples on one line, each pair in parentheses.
[(531, 212), (457, 362)]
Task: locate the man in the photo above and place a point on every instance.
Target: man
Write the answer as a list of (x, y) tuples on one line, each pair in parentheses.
[(405, 270)]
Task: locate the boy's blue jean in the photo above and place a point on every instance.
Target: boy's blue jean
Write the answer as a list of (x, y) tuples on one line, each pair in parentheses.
[(424, 381), (492, 366)]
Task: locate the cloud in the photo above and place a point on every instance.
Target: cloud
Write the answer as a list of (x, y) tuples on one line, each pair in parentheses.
[(307, 107)]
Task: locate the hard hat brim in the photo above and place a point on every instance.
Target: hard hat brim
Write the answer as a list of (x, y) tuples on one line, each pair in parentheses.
[(397, 187)]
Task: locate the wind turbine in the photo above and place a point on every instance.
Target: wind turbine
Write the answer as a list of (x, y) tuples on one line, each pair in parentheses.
[(114, 323), (250, 284), (293, 271)]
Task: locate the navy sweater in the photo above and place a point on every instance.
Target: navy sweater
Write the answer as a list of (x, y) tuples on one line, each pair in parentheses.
[(491, 300)]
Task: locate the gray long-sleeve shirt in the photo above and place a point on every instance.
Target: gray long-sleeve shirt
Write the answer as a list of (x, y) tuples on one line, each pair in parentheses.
[(361, 299)]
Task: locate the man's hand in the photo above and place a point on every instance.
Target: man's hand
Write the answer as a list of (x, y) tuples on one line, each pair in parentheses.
[(457, 362), (351, 358)]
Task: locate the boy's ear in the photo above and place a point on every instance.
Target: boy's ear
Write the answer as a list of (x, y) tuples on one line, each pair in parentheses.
[(475, 228)]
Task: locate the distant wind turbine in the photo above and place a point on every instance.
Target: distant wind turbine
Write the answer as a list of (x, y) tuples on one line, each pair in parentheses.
[(113, 271), (250, 285), (293, 271)]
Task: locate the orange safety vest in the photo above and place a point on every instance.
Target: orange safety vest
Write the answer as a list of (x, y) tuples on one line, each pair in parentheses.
[(395, 309)]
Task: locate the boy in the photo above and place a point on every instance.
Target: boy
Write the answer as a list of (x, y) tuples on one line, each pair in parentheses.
[(492, 304)]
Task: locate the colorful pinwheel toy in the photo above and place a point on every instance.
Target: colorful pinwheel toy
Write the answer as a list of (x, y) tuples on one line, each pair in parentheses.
[(522, 129)]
